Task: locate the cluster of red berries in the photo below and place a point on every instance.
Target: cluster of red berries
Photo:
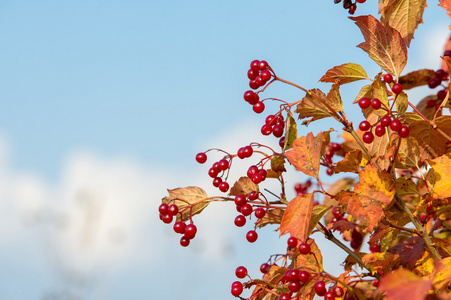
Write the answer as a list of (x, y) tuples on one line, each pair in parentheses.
[(328, 155), (274, 124), (246, 209), (349, 5), (337, 213), (440, 75), (218, 167), (259, 74), (167, 213), (302, 188)]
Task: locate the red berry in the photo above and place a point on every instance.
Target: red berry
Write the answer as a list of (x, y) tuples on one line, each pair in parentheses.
[(303, 276), (270, 120), (294, 286), (330, 171), (337, 212), (184, 242), (264, 268), (379, 130), (252, 74), (376, 283), (329, 296), (266, 129), (320, 288), (395, 125), (263, 65), (284, 296), (376, 103), (257, 178), (282, 142), (278, 131), (179, 227), (252, 195), (364, 102), (447, 53), (329, 153), (252, 171), (246, 209), (251, 236), (258, 107), (364, 126), (404, 131), (248, 151), (237, 290), (213, 172), (241, 272), (385, 120), (217, 181), (223, 186), (265, 75), (167, 218), (251, 97), (440, 73), (397, 88), (388, 78), (441, 94), (255, 65), (338, 291), (201, 157), (375, 248), (173, 209), (240, 221), (163, 208), (304, 248), (368, 137), (259, 213), (240, 200), (223, 164), (190, 231), (253, 84), (434, 82), (292, 242), (292, 275), (240, 153)]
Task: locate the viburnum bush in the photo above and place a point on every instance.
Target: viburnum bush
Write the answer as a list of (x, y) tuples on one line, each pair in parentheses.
[(396, 194)]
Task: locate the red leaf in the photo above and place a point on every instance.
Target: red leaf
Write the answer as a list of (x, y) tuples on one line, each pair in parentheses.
[(409, 251), (403, 284), (297, 216)]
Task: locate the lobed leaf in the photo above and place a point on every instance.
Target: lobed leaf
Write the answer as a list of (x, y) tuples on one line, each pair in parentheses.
[(306, 154), (351, 162), (296, 218), (345, 73), (312, 106), (190, 201), (409, 251), (446, 4), (443, 278), (244, 186), (383, 44), (380, 262), (403, 284)]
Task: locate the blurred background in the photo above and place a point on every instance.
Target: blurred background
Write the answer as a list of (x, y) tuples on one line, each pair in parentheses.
[(104, 105)]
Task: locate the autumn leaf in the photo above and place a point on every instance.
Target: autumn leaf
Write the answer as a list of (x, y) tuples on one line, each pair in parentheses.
[(410, 251), (318, 212), (345, 73), (427, 111), (383, 44), (278, 164), (272, 216), (270, 279), (405, 186), (371, 178), (365, 91), (416, 78), (442, 174), (342, 184), (351, 162), (443, 278), (312, 262), (306, 154), (402, 284), (244, 186), (408, 153), (401, 103), (342, 225), (291, 132), (380, 261), (296, 218), (190, 201), (446, 4), (404, 16), (312, 107)]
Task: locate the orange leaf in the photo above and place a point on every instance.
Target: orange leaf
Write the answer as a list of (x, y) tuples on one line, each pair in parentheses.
[(402, 284), (383, 44), (443, 277), (432, 144), (244, 186), (404, 16), (446, 4), (190, 200), (380, 261), (442, 170), (306, 154), (313, 108), (296, 218), (345, 73), (351, 162), (371, 178)]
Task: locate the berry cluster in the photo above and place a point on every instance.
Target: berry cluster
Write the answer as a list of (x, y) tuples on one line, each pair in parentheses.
[(349, 5), (167, 213), (259, 74), (245, 207), (274, 124), (302, 188), (328, 155)]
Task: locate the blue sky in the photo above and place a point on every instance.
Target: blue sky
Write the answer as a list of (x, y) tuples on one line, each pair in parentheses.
[(104, 105)]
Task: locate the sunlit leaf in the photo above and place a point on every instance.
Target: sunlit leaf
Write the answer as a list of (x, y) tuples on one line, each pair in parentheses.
[(345, 73), (383, 44), (443, 278), (291, 132), (272, 216), (312, 106), (402, 284), (380, 261), (442, 170), (416, 78), (409, 251), (190, 201), (244, 186), (306, 154), (296, 218), (351, 162), (432, 144)]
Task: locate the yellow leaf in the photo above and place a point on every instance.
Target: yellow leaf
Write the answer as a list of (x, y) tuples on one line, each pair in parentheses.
[(443, 277), (345, 73), (442, 170)]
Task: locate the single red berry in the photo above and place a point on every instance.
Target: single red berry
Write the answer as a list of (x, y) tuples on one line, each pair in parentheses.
[(330, 171), (201, 157), (251, 236), (447, 53), (292, 242), (304, 248), (440, 73), (320, 288), (431, 103), (338, 291), (441, 94), (303, 276), (336, 212), (163, 208), (237, 290), (241, 272), (213, 172), (255, 65), (266, 129), (173, 209), (388, 78), (253, 84), (251, 97), (217, 181), (263, 173), (179, 227), (395, 125), (376, 103), (184, 242), (292, 275), (375, 248), (404, 131), (364, 102), (264, 268), (263, 65), (246, 209), (376, 283), (260, 81), (257, 178), (352, 9), (379, 130), (240, 199), (368, 137), (385, 120), (251, 171), (259, 213), (284, 296), (329, 153), (248, 151), (329, 296), (190, 231), (282, 142), (252, 74), (223, 186), (397, 88), (355, 244), (270, 120), (240, 221), (265, 75), (277, 131), (294, 286), (364, 126), (252, 195), (223, 164), (240, 153), (434, 82), (167, 218), (258, 107)]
